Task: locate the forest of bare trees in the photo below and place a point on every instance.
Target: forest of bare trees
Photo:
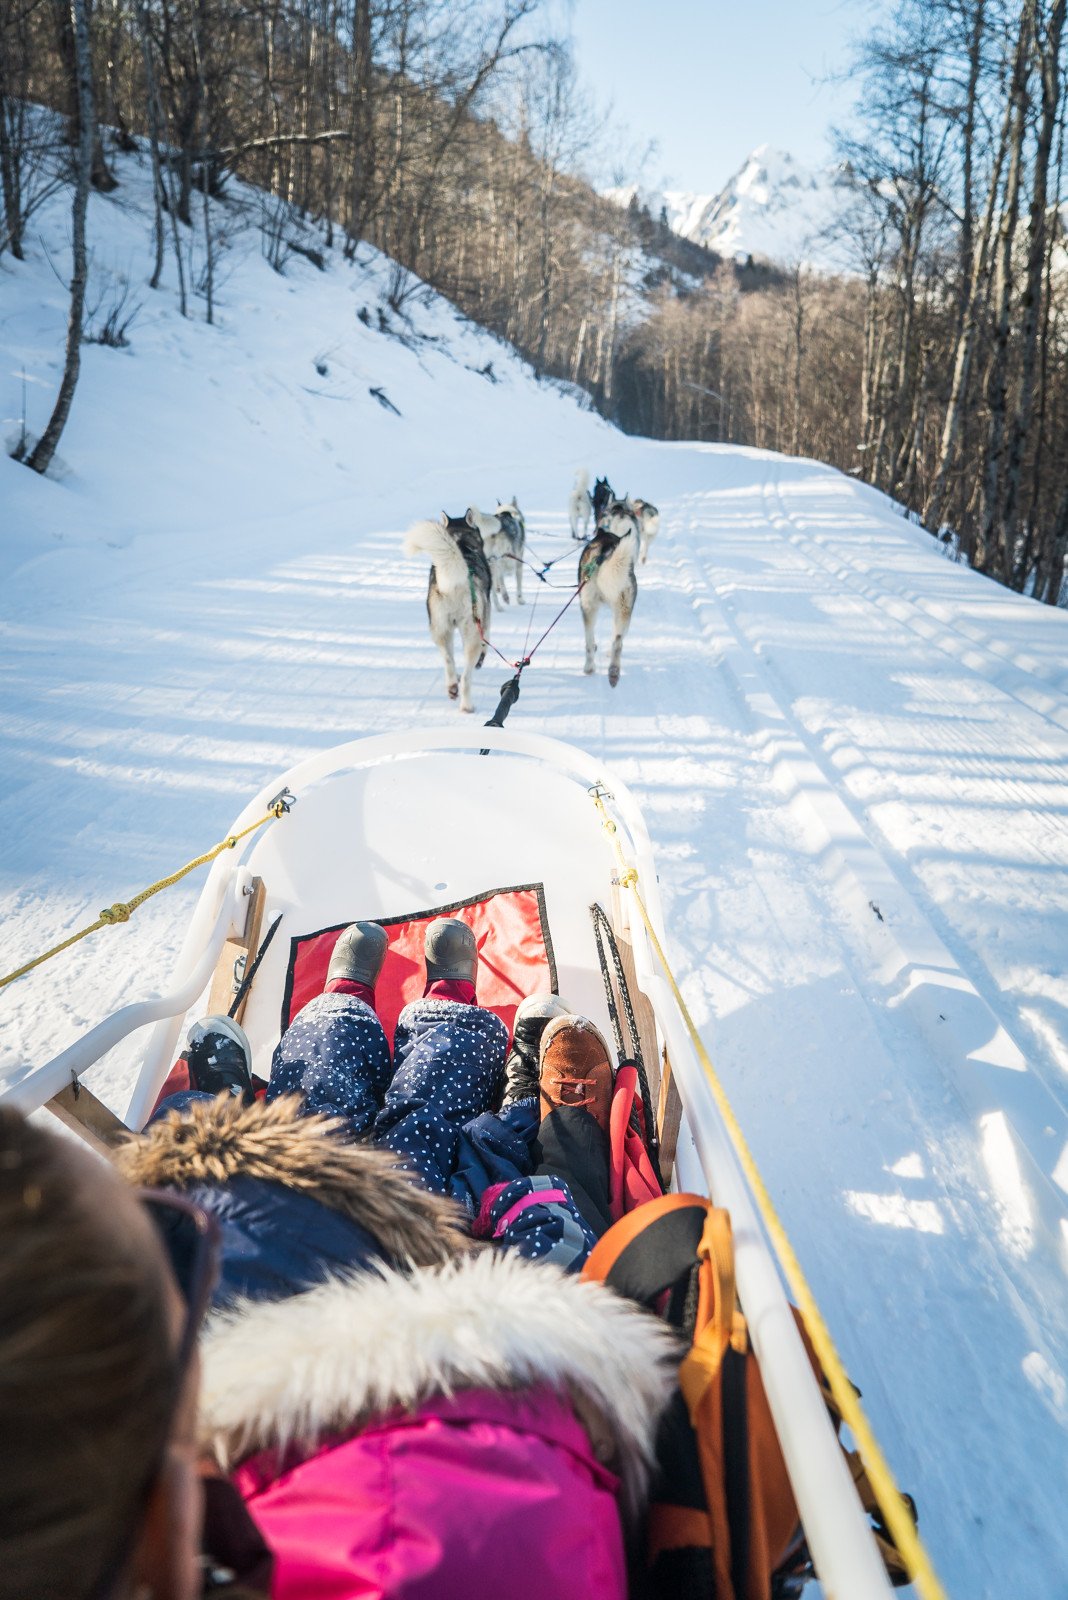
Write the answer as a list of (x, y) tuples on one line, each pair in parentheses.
[(453, 135), (938, 369)]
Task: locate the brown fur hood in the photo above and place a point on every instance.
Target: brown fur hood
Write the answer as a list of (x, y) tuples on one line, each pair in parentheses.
[(218, 1140)]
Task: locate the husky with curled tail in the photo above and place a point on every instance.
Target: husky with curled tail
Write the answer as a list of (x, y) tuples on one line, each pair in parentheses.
[(458, 595), (579, 505), (606, 572)]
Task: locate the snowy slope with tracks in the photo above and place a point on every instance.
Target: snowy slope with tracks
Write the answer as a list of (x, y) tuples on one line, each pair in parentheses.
[(852, 756)]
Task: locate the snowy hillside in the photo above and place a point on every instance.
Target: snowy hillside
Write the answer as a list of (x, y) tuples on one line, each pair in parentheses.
[(852, 756), (773, 208)]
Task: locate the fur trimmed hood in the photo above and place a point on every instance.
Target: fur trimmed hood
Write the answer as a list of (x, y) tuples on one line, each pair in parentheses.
[(215, 1141), (293, 1372)]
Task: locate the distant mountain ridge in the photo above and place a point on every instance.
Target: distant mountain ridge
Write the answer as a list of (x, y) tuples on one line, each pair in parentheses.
[(774, 207)]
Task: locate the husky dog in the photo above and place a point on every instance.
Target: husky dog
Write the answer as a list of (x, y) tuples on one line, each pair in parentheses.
[(579, 505), (648, 523), (458, 598), (603, 495), (606, 571), (500, 540), (508, 511)]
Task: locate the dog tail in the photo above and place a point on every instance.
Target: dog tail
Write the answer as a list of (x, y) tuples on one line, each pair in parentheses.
[(582, 480), (431, 539)]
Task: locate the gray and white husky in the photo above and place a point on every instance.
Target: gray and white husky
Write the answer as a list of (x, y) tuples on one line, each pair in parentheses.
[(648, 523), (503, 538), (579, 505), (458, 597), (606, 571)]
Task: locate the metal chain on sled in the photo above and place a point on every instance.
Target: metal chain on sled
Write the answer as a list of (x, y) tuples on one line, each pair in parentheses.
[(605, 939)]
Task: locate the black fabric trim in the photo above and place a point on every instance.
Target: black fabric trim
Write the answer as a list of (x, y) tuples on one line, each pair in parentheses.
[(660, 1255), (681, 1574), (296, 940), (736, 1465)]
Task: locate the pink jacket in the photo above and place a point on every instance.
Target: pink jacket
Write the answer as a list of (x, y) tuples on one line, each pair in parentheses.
[(472, 1432)]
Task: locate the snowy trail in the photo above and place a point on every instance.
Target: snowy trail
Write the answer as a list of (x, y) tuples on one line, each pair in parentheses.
[(851, 754)]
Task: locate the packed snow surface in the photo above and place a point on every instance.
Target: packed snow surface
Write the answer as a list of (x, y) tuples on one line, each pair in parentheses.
[(852, 756), (773, 207)]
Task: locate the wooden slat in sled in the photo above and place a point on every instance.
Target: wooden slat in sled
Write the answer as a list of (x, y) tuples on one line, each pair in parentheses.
[(225, 984), (79, 1110), (668, 1117)]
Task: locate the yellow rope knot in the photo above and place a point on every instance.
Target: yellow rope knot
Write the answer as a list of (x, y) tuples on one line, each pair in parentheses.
[(123, 910), (119, 912), (629, 878)]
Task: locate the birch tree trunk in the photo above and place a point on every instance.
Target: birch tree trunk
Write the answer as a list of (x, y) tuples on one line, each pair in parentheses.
[(1032, 299), (997, 373), (970, 321), (45, 448)]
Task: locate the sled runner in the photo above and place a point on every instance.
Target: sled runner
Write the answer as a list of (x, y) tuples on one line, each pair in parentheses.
[(401, 828)]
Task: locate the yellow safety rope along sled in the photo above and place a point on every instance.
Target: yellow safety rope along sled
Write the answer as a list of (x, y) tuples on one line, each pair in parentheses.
[(891, 1503), (123, 910)]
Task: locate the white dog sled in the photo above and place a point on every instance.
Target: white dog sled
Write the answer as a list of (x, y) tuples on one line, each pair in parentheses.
[(368, 837)]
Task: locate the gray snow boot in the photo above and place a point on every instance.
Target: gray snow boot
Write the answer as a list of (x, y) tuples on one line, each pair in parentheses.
[(532, 1017), (451, 951), (359, 954)]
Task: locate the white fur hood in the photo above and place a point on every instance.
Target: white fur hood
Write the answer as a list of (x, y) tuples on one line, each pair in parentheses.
[(294, 1371)]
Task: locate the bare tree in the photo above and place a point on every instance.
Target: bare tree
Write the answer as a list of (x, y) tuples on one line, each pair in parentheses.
[(45, 448)]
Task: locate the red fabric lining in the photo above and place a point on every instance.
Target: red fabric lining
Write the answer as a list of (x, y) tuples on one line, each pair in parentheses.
[(513, 960), (632, 1180)]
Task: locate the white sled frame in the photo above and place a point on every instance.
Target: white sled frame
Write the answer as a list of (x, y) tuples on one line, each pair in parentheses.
[(839, 1538)]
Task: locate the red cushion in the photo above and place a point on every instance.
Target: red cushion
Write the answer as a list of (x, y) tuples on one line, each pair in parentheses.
[(515, 955)]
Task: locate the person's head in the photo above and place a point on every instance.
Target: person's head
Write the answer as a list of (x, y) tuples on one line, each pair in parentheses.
[(99, 1495)]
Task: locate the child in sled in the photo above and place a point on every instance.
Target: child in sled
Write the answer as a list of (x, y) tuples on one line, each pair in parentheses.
[(405, 1411), (533, 1173)]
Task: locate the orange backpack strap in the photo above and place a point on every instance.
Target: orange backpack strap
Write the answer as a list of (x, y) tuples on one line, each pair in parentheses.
[(719, 1322)]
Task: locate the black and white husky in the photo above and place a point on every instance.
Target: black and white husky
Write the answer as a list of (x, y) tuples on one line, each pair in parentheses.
[(504, 538), (602, 497), (579, 505), (606, 571), (458, 597)]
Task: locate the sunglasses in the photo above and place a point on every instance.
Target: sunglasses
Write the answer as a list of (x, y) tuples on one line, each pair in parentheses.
[(190, 1239), (191, 1242)]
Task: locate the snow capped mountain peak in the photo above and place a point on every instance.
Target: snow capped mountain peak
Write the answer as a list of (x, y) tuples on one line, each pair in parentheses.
[(774, 207)]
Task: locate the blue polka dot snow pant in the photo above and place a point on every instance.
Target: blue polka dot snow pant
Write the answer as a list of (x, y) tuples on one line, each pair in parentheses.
[(432, 1107)]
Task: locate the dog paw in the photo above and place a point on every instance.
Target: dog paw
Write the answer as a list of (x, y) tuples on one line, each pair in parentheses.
[(613, 676), (454, 691), (468, 709), (588, 669)]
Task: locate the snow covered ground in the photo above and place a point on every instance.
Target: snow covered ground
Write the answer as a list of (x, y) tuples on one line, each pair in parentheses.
[(852, 756)]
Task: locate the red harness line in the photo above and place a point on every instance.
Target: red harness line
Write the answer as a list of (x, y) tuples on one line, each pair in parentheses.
[(524, 661)]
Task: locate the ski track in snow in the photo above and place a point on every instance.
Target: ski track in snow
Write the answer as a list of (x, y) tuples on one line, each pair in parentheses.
[(851, 755)]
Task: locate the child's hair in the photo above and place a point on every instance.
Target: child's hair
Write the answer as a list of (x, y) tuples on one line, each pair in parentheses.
[(87, 1371)]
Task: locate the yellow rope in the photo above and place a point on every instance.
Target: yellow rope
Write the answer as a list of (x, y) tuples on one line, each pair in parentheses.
[(889, 1497), (123, 910)]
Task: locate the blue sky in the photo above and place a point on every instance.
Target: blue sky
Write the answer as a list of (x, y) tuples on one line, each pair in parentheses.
[(709, 80)]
